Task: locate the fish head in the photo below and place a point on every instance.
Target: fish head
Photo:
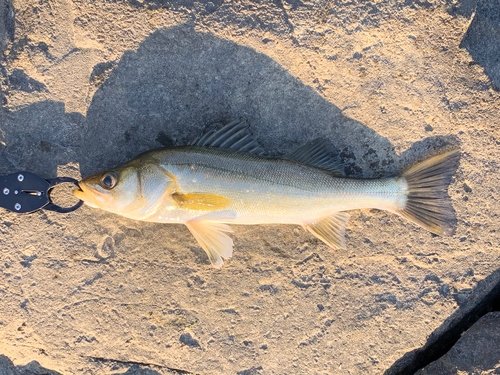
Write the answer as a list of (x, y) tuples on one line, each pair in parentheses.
[(132, 189), (112, 190)]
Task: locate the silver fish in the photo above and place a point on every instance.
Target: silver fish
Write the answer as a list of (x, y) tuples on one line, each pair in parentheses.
[(226, 178)]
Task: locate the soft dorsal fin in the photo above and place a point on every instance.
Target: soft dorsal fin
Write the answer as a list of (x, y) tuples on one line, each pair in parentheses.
[(330, 229), (234, 136), (318, 153), (211, 237)]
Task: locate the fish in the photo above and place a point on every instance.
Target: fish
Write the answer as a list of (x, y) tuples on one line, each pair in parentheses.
[(225, 177)]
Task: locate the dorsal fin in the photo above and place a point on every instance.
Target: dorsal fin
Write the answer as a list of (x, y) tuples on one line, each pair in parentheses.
[(234, 136), (318, 153)]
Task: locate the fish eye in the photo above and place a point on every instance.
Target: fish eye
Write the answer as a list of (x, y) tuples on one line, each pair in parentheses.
[(109, 180)]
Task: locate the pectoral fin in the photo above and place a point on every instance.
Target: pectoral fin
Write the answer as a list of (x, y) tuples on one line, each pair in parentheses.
[(330, 229), (202, 202), (211, 237)]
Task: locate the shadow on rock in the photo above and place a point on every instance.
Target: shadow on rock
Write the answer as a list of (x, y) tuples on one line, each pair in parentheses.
[(465, 8), (8, 368), (444, 337), (136, 370), (482, 39), (39, 137), (34, 368), (476, 352), (181, 82), (176, 85)]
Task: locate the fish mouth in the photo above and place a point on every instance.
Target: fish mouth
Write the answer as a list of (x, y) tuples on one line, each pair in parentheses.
[(87, 194), (78, 188), (80, 192)]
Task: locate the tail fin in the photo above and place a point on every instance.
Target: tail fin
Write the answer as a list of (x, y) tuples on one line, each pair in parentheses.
[(428, 203)]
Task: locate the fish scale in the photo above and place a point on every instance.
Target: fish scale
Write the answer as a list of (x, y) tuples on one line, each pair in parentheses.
[(270, 190)]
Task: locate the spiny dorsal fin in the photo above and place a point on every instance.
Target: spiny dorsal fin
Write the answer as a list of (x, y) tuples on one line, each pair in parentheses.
[(201, 201), (317, 153), (211, 237), (330, 229), (234, 136)]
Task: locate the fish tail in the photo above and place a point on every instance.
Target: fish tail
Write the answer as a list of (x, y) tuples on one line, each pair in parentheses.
[(428, 203)]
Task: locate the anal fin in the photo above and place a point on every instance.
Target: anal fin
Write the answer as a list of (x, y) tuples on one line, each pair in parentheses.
[(330, 229), (213, 239)]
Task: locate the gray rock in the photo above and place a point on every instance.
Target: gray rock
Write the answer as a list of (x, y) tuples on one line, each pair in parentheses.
[(463, 8), (6, 366), (32, 368), (137, 370), (251, 371), (188, 340), (482, 39), (477, 351)]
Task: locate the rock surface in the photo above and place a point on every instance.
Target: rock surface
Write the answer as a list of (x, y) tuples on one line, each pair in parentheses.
[(482, 39), (89, 84), (477, 351), (32, 368)]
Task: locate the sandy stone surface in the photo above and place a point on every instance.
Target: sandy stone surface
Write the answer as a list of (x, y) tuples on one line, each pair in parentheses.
[(89, 84)]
